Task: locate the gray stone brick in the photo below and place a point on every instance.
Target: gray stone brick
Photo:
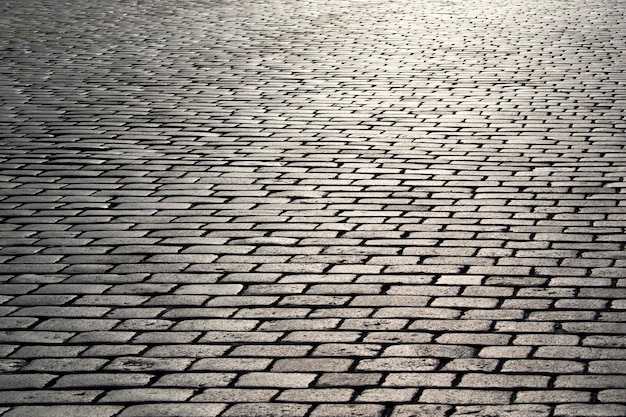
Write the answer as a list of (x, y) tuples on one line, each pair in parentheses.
[(102, 380), (397, 364), (577, 352), (546, 339), (422, 410), (382, 324), (143, 364), (274, 351), (198, 312), (611, 395), (299, 324), (398, 337), (24, 381), (465, 396), (195, 380), (419, 379), (16, 322), (429, 350), (64, 410), (276, 379), (239, 336), (272, 312), (505, 352), (544, 396), (488, 380), (266, 410), (379, 395), (347, 379), (316, 395), (341, 312), (186, 350), (62, 311), (38, 300), (470, 364), (48, 351), (241, 395), (102, 337), (145, 324), (76, 325), (142, 395), (216, 324), (173, 410), (312, 365), (504, 410), (542, 366), (473, 339), (389, 300), (231, 364), (113, 350), (590, 410), (65, 365), (437, 325), (43, 396)]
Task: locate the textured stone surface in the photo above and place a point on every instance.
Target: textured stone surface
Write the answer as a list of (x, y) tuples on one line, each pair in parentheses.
[(312, 208)]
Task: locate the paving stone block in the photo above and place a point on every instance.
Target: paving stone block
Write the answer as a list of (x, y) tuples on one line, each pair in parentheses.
[(474, 339), (64, 410), (590, 410), (422, 410), (274, 351), (312, 365), (62, 311), (100, 336), (44, 396), (552, 396), (443, 325), (25, 381), (316, 395), (576, 352), (195, 380), (272, 312), (419, 379), (465, 396), (397, 364), (239, 336), (102, 380), (76, 324), (173, 410), (267, 410), (542, 366), (348, 379), (113, 350), (142, 395), (231, 364), (590, 381), (504, 411), (241, 395), (276, 379), (475, 380), (146, 364), (429, 350), (299, 325), (216, 324), (611, 395), (377, 395), (471, 364), (65, 365)]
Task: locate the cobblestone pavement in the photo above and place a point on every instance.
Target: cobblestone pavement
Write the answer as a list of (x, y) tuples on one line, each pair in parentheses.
[(313, 208)]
